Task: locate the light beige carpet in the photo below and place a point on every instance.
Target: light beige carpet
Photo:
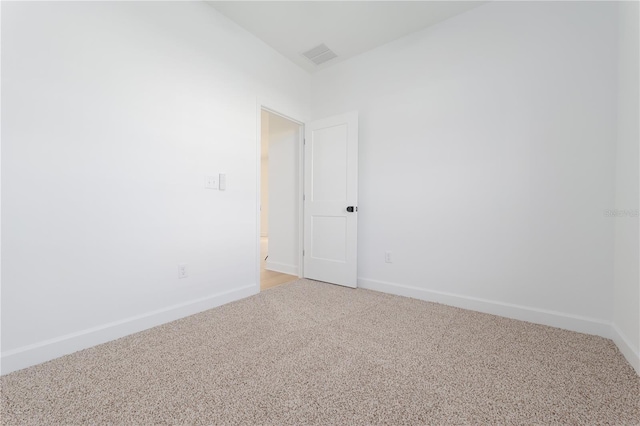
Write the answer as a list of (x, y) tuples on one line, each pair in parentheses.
[(312, 353)]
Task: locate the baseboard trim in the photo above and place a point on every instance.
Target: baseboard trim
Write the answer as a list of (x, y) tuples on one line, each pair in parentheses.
[(524, 313), (47, 350), (624, 344), (283, 268)]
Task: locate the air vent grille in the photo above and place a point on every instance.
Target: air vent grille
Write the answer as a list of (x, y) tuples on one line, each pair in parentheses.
[(319, 54)]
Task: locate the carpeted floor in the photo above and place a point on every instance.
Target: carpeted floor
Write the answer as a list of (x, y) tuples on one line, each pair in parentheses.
[(312, 353)]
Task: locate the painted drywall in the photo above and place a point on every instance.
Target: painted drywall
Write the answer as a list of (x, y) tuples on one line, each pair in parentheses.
[(485, 153), (284, 144), (264, 174), (487, 160), (113, 114), (0, 197), (626, 308)]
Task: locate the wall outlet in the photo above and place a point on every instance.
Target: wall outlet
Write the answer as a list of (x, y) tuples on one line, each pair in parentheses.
[(387, 257), (182, 270)]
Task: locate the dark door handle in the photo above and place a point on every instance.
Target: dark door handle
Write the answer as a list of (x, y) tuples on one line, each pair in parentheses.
[(351, 209)]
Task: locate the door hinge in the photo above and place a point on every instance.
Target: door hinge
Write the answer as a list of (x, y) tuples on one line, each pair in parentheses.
[(304, 197), (303, 252)]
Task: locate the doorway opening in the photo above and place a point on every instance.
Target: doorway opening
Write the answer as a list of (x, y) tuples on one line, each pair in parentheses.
[(280, 204)]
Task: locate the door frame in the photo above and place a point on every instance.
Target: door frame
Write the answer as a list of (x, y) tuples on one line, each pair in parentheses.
[(298, 118)]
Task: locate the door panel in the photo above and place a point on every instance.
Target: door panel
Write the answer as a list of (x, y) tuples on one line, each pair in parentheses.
[(328, 234), (331, 185), (329, 148)]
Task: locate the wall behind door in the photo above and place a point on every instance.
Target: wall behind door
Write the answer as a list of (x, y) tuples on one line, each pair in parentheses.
[(264, 174), (284, 141)]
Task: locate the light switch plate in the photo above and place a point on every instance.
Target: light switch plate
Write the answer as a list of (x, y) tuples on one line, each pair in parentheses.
[(211, 182)]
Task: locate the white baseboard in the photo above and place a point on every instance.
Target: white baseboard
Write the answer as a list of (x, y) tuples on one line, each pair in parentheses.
[(624, 344), (283, 268), (27, 356), (524, 313), (47, 350)]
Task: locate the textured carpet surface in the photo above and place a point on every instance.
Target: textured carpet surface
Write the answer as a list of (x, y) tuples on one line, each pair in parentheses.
[(312, 353)]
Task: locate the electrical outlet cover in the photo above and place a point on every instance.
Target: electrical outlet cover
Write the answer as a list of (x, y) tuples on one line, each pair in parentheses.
[(182, 270)]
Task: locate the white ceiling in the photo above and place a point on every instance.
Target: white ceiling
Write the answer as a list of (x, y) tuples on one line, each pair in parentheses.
[(346, 27)]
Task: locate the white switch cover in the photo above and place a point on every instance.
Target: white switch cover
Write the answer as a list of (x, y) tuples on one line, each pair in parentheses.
[(211, 182), (223, 181)]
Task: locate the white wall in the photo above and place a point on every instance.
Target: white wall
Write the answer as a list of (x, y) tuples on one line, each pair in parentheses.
[(626, 311), (112, 115), (0, 195), (284, 144), (264, 173), (487, 160)]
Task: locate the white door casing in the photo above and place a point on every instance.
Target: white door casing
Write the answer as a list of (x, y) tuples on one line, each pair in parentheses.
[(331, 188)]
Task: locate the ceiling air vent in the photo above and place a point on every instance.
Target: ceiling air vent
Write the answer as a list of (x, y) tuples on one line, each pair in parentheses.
[(320, 54)]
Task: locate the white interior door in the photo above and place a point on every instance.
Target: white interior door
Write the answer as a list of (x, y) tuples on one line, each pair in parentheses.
[(331, 200)]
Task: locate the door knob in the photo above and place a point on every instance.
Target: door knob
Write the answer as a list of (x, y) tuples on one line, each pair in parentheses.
[(350, 209)]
